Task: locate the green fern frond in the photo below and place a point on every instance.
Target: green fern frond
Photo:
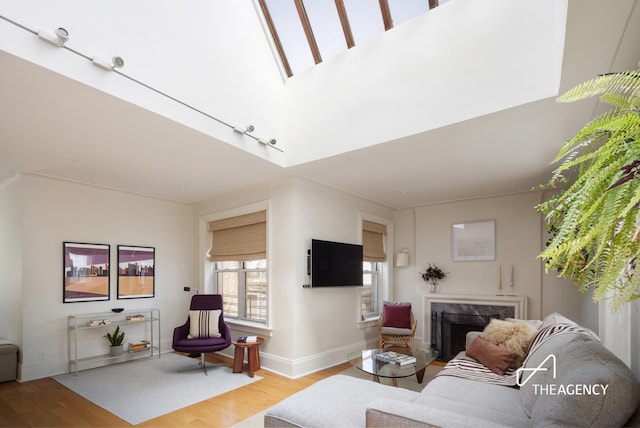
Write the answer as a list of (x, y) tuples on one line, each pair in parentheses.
[(616, 83), (596, 220)]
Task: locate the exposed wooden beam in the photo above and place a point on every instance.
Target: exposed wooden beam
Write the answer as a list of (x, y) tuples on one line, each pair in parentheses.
[(344, 21), (433, 4), (276, 38), (386, 14), (306, 25)]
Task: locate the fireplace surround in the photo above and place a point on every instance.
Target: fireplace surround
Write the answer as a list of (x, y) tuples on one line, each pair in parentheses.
[(448, 317)]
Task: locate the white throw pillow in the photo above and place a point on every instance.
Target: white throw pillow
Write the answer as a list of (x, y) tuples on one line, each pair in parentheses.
[(204, 324)]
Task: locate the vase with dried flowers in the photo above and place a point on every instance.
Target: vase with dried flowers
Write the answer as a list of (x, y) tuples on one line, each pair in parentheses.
[(432, 274)]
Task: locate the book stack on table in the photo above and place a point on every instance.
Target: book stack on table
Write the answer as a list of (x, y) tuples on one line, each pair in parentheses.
[(247, 339), (395, 358)]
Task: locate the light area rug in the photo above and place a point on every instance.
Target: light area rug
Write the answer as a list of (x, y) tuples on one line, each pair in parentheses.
[(140, 390)]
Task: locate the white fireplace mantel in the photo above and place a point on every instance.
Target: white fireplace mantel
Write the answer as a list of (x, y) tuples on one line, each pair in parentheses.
[(519, 304)]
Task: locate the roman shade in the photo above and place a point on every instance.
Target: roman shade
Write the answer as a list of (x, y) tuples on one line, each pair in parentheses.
[(373, 241), (239, 238)]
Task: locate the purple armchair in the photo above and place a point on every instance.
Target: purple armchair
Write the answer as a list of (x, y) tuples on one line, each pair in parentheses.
[(203, 344)]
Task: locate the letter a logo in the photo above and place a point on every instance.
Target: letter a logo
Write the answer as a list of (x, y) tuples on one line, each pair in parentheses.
[(522, 379)]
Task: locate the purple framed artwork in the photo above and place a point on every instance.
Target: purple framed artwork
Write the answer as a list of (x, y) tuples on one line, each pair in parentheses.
[(136, 272), (85, 272)]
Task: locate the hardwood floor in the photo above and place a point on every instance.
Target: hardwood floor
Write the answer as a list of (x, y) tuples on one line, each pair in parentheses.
[(46, 403)]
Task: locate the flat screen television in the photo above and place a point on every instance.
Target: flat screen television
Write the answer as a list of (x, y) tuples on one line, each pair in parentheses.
[(335, 264)]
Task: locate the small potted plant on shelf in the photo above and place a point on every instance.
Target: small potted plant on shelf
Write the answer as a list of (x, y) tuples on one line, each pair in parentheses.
[(432, 275), (116, 339)]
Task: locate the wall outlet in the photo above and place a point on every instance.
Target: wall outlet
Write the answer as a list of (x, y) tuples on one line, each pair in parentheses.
[(41, 356)]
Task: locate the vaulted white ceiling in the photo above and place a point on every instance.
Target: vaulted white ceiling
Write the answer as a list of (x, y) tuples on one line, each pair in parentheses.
[(383, 135)]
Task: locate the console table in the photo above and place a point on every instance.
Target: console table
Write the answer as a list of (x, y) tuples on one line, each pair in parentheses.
[(84, 330)]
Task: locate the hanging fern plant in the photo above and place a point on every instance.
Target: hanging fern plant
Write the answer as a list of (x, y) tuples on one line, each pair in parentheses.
[(595, 219)]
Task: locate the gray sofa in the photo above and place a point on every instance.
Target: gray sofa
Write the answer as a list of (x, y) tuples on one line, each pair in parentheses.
[(453, 401)]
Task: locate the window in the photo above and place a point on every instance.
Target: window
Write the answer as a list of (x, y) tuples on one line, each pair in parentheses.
[(305, 32), (243, 285), (370, 290), (374, 256), (239, 255)]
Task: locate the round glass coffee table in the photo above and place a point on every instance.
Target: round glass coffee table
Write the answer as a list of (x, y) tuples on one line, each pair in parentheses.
[(368, 362)]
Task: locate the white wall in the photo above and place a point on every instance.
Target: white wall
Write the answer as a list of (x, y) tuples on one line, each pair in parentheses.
[(56, 211), (11, 260), (310, 328), (519, 239), (418, 85)]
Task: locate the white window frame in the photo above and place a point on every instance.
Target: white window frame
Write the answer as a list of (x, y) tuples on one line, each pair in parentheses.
[(241, 271), (386, 269), (207, 270), (376, 275)]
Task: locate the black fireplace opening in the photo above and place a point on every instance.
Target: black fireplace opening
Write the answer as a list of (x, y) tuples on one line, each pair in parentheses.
[(454, 329), (450, 324)]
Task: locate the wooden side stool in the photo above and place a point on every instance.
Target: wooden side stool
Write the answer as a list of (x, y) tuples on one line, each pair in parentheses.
[(253, 356)]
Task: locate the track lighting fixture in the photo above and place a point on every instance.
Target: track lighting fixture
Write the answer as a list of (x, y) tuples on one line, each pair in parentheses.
[(247, 130), (116, 62), (270, 142), (61, 36), (59, 39)]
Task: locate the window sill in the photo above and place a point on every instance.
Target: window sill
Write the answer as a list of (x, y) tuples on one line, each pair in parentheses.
[(367, 323), (252, 328)]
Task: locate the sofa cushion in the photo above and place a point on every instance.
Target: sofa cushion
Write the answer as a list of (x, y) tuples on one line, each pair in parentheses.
[(496, 398), (481, 415), (534, 323), (512, 336), (589, 386), (497, 359), (337, 401)]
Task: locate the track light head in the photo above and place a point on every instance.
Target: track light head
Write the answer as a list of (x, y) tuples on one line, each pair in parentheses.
[(59, 39), (246, 130), (62, 35), (272, 141), (116, 62)]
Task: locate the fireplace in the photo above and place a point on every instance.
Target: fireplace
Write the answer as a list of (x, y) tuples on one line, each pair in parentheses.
[(453, 331), (448, 318)]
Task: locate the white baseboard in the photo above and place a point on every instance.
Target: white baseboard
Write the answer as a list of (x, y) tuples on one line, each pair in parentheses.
[(295, 368)]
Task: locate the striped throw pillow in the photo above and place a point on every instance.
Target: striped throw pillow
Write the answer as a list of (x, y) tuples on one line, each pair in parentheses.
[(204, 324)]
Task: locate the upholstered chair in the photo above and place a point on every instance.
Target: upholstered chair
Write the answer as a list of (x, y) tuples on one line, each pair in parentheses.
[(397, 327), (205, 329)]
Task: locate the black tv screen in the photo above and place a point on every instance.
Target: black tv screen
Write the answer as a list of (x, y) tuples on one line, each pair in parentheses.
[(335, 264)]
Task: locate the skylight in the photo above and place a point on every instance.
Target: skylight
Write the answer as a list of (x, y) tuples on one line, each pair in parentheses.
[(309, 32)]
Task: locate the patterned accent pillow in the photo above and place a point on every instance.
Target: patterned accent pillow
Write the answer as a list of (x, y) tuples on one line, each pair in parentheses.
[(204, 324)]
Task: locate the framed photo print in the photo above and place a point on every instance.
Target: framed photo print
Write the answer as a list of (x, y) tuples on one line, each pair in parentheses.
[(136, 272), (474, 241), (85, 272)]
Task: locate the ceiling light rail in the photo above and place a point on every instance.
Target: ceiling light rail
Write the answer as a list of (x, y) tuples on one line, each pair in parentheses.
[(61, 36)]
